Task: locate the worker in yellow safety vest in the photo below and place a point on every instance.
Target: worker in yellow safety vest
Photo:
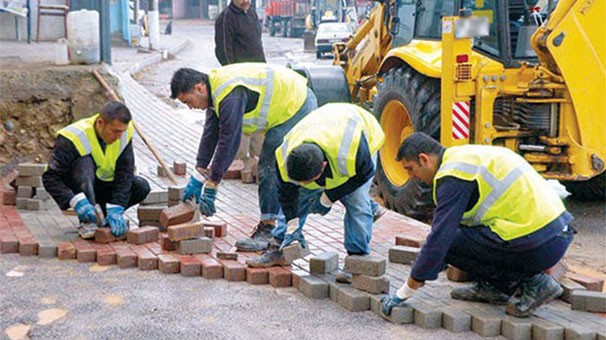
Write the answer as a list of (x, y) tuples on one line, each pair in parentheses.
[(93, 163), (495, 218), (328, 156), (242, 98)]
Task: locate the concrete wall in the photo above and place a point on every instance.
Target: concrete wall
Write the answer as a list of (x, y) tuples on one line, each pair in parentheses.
[(179, 9)]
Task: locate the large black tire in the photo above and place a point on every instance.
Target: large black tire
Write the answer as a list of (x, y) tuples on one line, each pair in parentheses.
[(591, 190), (407, 102)]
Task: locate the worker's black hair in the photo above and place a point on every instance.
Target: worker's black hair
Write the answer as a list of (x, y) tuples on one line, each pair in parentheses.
[(184, 80), (115, 111), (416, 144), (304, 162)]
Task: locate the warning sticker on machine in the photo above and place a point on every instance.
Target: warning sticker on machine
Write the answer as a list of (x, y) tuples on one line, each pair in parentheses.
[(446, 27)]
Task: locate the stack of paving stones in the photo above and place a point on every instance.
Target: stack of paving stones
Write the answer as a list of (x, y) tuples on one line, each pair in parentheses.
[(149, 211), (175, 193), (31, 194)]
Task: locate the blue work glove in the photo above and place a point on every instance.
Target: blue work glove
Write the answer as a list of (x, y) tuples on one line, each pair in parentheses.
[(194, 186), (115, 219), (84, 209), (388, 302), (294, 232), (207, 201), (322, 205)]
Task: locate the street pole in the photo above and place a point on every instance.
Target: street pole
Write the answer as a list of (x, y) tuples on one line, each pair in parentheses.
[(154, 26)]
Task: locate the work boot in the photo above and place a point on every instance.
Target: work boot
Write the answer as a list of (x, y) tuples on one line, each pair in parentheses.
[(376, 215), (273, 256), (259, 239), (87, 230), (536, 291), (343, 277), (480, 291)]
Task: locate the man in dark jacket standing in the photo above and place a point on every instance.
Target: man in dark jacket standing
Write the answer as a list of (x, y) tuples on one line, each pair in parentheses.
[(238, 34)]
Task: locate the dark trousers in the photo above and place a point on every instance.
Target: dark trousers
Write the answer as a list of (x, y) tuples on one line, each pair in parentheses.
[(99, 192), (504, 268)]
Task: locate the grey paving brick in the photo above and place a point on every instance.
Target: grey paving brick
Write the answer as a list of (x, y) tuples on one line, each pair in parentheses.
[(294, 252), (402, 315), (175, 193), (569, 286), (589, 301), (47, 249), (516, 328), (324, 263), (25, 192), (313, 287), (370, 284), (30, 181), (574, 332), (353, 299), (31, 169), (426, 316), (456, 320), (195, 246), (544, 330), (156, 197), (403, 254), (150, 212), (42, 194), (21, 203), (375, 304), (365, 265), (601, 336), (484, 323)]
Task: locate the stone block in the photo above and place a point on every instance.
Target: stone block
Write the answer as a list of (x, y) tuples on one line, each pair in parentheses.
[(456, 320), (334, 288), (516, 328), (591, 283), (156, 197), (180, 168), (47, 249), (544, 330), (166, 243), (576, 332), (313, 287), (146, 260), (558, 271), (569, 286), (324, 263), (279, 277), (21, 203), (457, 275), (185, 231), (220, 227), (28, 247), (150, 212), (9, 197), (294, 251), (225, 255), (168, 264), (211, 268), (371, 284), (426, 316), (209, 232), (66, 251), (178, 214), (41, 194), (195, 246), (172, 203), (399, 315), (257, 276), (353, 299), (485, 324), (25, 192), (31, 169), (104, 235), (37, 205), (235, 271), (589, 301), (143, 235), (403, 254), (161, 172), (190, 266), (365, 265), (410, 241), (175, 192), (30, 181)]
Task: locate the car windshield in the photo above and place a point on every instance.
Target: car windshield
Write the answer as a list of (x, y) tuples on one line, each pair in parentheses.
[(334, 28)]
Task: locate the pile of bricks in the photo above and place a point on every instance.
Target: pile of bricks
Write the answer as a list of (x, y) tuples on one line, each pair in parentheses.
[(31, 194), (149, 211)]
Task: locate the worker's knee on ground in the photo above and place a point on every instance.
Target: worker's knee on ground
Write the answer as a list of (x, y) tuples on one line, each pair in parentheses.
[(140, 190)]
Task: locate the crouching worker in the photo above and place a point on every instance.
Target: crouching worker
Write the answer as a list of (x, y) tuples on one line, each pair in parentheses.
[(328, 156), (93, 163), (496, 218)]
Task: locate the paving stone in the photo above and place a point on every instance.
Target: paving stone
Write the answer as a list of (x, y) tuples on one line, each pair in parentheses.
[(516, 328), (220, 227), (156, 197), (172, 203), (257, 276), (589, 301), (456, 320), (104, 235), (21, 203), (157, 224), (168, 264), (403, 254), (190, 265), (294, 252), (410, 241), (107, 256), (150, 212), (211, 268), (399, 315), (166, 243), (279, 277), (36, 204), (180, 168), (161, 172), (544, 330), (575, 332), (235, 271), (371, 284), (31, 169), (125, 255), (84, 251), (209, 232), (178, 214), (175, 192), (455, 274), (353, 299), (143, 235), (9, 197), (29, 181), (25, 192), (225, 255), (66, 251), (146, 260), (426, 316), (591, 283), (365, 265), (195, 246), (334, 288), (185, 231), (569, 286), (42, 194), (28, 246), (313, 287), (296, 276), (324, 263), (47, 249), (484, 323), (558, 271)]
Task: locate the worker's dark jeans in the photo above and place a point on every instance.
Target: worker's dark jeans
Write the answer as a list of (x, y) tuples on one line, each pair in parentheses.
[(503, 268), (83, 179)]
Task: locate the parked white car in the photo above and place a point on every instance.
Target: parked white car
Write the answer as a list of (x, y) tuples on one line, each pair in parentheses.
[(330, 33)]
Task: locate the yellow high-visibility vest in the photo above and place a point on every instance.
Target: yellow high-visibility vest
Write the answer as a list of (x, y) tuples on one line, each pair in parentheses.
[(336, 128), (514, 199), (281, 90), (82, 134)]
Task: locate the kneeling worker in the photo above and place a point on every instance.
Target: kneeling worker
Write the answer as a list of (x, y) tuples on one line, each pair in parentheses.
[(93, 162), (496, 218), (328, 156)]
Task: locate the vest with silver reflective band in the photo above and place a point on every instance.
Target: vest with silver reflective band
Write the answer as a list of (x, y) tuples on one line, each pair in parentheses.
[(514, 199), (82, 134), (336, 129), (282, 92)]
